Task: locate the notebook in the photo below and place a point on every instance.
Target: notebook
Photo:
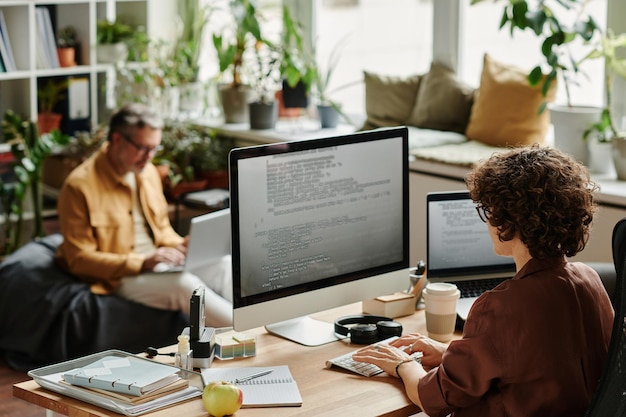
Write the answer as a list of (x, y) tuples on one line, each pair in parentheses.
[(459, 248), (209, 240), (274, 389)]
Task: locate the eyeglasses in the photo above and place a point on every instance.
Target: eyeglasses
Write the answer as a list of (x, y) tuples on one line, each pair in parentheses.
[(483, 212), (145, 150)]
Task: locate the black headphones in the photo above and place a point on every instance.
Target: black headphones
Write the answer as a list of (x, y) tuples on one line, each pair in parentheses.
[(367, 329)]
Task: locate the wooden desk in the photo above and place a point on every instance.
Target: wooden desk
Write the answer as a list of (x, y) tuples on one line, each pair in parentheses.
[(324, 392)]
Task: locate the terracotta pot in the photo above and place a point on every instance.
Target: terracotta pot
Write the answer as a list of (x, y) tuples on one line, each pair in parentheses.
[(47, 122), (287, 112), (67, 57)]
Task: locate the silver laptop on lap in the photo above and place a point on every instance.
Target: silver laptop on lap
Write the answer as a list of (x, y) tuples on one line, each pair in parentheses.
[(209, 240), (459, 248)]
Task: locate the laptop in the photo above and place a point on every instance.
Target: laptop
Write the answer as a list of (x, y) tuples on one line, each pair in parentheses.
[(209, 240), (459, 249)]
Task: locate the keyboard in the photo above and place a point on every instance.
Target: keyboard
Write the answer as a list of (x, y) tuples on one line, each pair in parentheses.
[(365, 369), (474, 288)]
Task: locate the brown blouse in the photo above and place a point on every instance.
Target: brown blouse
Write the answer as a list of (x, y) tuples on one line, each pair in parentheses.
[(533, 346)]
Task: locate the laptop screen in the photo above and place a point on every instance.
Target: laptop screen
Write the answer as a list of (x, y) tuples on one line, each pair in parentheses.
[(458, 241)]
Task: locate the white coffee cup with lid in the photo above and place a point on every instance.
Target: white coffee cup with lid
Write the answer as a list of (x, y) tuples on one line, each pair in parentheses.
[(440, 299)]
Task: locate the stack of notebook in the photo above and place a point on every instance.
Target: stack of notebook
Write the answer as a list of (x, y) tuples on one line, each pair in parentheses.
[(121, 382), (128, 379)]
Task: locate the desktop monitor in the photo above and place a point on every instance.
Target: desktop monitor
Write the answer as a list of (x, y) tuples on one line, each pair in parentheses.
[(317, 224)]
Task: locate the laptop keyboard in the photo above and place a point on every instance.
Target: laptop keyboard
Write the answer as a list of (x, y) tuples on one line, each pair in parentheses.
[(474, 288)]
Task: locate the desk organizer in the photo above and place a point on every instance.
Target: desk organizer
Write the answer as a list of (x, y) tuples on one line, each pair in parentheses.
[(231, 344)]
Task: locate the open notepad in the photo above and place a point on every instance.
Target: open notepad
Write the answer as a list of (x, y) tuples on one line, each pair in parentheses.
[(276, 389)]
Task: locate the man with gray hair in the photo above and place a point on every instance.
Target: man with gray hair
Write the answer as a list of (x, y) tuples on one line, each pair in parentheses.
[(116, 229)]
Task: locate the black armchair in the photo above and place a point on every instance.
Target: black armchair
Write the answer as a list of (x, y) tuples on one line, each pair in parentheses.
[(610, 397)]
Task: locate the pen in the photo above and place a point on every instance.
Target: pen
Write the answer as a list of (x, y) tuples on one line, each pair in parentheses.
[(249, 377)]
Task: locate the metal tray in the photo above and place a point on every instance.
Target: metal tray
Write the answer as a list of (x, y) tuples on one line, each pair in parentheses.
[(49, 377)]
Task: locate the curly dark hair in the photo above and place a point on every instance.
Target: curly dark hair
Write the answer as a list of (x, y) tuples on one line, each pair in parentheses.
[(539, 194)]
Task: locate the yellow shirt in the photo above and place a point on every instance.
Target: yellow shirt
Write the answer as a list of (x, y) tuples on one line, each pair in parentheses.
[(95, 209)]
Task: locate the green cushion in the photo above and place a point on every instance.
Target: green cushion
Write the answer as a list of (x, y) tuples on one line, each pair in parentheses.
[(443, 101)]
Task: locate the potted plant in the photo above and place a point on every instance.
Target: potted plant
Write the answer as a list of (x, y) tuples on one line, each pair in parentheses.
[(48, 95), (557, 23), (210, 159), (264, 78), (610, 48), (111, 37), (178, 144), (66, 46), (29, 150), (193, 16), (328, 110), (297, 67), (238, 37)]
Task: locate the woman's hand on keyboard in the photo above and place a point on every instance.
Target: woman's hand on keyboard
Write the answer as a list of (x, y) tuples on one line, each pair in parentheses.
[(431, 349)]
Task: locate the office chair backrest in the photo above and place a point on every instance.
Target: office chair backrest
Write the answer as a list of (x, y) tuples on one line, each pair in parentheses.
[(610, 397)]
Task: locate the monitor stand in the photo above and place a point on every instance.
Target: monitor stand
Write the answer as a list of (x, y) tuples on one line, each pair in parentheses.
[(305, 330)]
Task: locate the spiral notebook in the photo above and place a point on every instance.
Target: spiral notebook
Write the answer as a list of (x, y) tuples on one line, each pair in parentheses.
[(275, 389)]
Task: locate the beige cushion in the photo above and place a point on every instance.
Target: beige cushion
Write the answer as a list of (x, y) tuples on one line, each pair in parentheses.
[(389, 99), (443, 101), (505, 111)]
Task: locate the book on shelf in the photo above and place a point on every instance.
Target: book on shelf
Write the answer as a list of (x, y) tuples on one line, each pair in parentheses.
[(274, 388), (127, 375), (46, 46), (6, 52)]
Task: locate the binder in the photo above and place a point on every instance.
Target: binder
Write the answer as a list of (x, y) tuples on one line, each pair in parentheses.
[(274, 389), (133, 376)]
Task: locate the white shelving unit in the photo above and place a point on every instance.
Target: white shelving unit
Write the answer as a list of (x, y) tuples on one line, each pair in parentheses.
[(18, 89)]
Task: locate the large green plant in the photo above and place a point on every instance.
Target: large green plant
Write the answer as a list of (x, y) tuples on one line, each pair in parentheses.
[(557, 23), (240, 35), (611, 49), (29, 150)]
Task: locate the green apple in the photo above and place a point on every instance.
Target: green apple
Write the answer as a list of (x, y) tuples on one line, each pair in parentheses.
[(222, 398)]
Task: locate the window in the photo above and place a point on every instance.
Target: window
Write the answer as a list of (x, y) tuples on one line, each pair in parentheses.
[(380, 36)]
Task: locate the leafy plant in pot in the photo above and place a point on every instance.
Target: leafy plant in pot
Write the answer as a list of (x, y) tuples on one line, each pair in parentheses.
[(29, 150), (185, 56), (328, 110), (297, 67), (66, 46), (238, 37), (610, 48), (264, 78), (111, 38), (51, 92), (558, 24)]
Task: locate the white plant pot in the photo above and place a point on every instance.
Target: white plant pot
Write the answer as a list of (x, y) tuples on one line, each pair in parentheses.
[(570, 124), (112, 53), (601, 158), (619, 157)]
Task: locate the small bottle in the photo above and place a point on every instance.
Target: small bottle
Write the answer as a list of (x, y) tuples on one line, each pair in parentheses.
[(184, 355)]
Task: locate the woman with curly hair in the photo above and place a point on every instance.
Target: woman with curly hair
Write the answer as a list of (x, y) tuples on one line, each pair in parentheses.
[(537, 343)]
